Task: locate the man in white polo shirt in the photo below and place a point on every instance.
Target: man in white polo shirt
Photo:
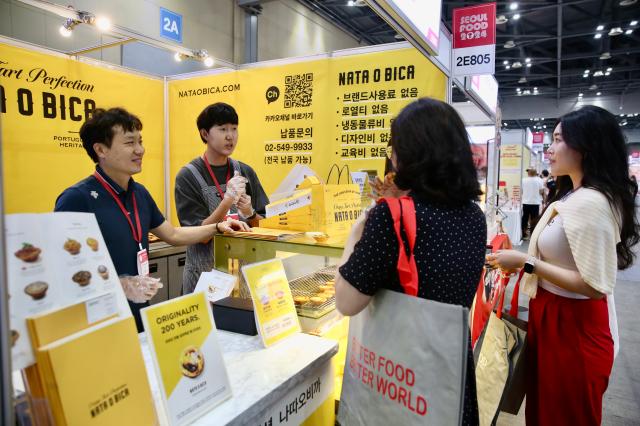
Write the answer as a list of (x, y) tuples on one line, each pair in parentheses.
[(532, 190)]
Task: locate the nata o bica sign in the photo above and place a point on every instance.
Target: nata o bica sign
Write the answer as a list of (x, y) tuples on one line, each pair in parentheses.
[(474, 40)]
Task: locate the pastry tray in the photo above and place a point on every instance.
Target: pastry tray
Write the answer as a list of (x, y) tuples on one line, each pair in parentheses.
[(308, 286)]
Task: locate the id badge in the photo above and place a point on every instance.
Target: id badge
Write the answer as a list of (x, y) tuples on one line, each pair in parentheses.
[(143, 262)]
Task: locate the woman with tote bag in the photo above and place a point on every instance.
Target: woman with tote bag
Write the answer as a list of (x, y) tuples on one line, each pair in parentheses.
[(440, 256), (583, 237)]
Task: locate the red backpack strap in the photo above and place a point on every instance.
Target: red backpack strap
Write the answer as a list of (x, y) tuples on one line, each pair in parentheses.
[(404, 216)]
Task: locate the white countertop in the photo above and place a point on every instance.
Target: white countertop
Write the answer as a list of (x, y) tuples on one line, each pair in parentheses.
[(259, 377)]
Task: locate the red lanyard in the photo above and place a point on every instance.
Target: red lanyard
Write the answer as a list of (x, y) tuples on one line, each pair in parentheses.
[(218, 187), (137, 236)]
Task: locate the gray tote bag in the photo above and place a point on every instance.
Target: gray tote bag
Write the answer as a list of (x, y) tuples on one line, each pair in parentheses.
[(406, 363), (407, 356)]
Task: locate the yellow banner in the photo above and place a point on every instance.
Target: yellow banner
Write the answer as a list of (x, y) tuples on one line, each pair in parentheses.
[(275, 311), (44, 99), (321, 113)]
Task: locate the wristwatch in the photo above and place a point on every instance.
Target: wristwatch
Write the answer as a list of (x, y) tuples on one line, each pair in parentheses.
[(529, 265)]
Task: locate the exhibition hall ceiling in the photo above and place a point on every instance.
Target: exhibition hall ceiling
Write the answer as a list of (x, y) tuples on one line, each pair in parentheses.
[(548, 49)]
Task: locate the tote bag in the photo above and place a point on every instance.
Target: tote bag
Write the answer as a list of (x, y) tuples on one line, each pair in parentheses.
[(406, 359)]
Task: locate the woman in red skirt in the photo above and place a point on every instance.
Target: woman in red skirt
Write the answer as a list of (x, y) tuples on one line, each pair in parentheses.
[(582, 239)]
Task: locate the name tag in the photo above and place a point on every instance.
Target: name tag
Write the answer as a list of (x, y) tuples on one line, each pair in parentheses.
[(143, 262)]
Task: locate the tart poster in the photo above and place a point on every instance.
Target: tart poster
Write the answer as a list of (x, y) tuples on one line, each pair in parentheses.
[(55, 260), (274, 308), (186, 356)]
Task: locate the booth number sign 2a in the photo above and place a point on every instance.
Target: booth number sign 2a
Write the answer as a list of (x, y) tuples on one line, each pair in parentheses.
[(170, 25)]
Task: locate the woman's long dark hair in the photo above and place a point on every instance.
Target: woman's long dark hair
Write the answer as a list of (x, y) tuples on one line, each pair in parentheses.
[(432, 152), (594, 132)]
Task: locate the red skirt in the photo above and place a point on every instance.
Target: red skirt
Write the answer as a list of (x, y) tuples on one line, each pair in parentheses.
[(570, 356)]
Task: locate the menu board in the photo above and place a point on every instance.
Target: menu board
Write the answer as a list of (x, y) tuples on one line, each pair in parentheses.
[(55, 260)]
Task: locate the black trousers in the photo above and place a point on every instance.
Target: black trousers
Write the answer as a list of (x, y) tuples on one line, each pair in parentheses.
[(530, 214)]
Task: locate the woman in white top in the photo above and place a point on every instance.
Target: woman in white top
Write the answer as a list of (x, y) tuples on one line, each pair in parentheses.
[(583, 237)]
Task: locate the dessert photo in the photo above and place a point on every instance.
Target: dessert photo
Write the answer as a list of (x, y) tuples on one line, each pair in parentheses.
[(37, 290), (92, 243), (82, 278), (28, 253), (192, 362), (72, 246), (103, 272)]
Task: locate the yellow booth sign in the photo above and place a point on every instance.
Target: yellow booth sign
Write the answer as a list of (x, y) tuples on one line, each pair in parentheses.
[(44, 99), (320, 113)]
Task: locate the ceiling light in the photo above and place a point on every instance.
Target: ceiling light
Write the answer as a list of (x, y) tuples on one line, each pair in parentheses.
[(608, 73), (587, 71), (597, 35), (516, 16), (535, 88), (628, 32), (68, 26), (513, 6), (103, 23), (580, 95), (509, 44), (544, 127), (351, 3), (501, 20), (505, 62), (615, 31), (64, 31), (633, 23), (208, 61), (635, 115), (518, 90), (599, 93), (627, 2), (516, 65), (522, 80), (508, 67), (527, 60), (177, 57), (527, 92), (528, 65), (600, 28), (605, 55), (585, 75), (593, 87), (505, 124), (609, 69), (598, 73)]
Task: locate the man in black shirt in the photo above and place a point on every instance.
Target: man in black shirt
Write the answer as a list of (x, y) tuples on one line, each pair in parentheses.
[(214, 186)]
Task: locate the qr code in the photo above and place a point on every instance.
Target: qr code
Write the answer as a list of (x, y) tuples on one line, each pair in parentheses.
[(298, 90)]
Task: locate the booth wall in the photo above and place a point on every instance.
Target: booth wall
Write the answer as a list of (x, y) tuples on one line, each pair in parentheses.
[(323, 116), (42, 150)]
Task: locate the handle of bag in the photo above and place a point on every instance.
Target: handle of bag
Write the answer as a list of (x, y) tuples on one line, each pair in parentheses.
[(513, 311), (403, 212), (339, 171)]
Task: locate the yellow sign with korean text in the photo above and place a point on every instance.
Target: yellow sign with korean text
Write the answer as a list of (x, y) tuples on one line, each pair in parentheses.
[(44, 99), (187, 357), (275, 312), (324, 113)]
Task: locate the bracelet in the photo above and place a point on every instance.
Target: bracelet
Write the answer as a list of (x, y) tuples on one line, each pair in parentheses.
[(218, 229)]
